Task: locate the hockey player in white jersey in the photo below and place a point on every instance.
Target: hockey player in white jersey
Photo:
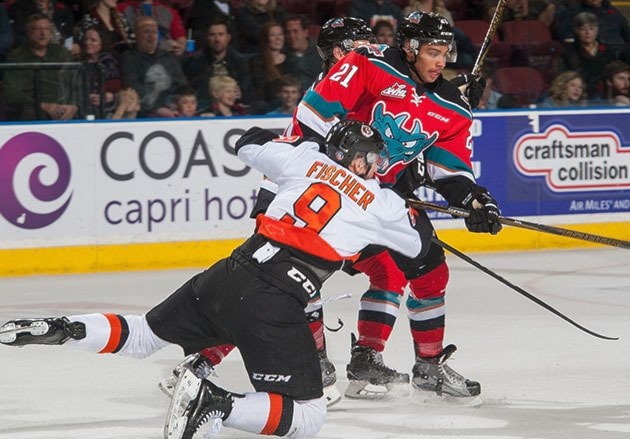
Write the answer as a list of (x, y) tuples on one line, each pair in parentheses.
[(326, 211)]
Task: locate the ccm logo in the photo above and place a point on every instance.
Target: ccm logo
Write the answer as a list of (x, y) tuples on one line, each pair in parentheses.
[(438, 116), (299, 277), (271, 377)]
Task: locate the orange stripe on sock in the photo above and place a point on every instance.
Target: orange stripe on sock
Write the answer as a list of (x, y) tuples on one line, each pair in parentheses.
[(114, 333), (275, 413)]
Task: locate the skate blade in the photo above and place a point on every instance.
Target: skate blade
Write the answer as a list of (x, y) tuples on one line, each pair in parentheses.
[(210, 429), (9, 331), (167, 385), (364, 390), (186, 390), (430, 397), (332, 395)]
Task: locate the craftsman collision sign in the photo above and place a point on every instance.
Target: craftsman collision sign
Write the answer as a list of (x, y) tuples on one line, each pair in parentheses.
[(554, 162), (574, 161)]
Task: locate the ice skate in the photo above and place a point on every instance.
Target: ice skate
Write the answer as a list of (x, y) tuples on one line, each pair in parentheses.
[(51, 331), (368, 376), (196, 404), (329, 379), (434, 375), (197, 362)]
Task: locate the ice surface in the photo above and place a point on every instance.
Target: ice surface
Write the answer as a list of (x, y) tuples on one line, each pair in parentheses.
[(541, 378)]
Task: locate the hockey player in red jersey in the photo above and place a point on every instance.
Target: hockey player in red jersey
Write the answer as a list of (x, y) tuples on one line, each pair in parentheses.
[(425, 121), (255, 298)]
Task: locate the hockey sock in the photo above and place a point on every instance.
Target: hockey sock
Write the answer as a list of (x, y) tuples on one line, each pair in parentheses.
[(377, 315), (379, 305), (273, 414), (315, 318), (128, 335), (426, 309), (216, 354)]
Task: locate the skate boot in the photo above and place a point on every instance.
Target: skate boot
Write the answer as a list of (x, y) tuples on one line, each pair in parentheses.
[(51, 331), (197, 403), (367, 374), (434, 375), (329, 378), (200, 365)]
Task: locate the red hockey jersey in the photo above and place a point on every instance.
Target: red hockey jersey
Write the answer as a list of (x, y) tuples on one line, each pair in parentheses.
[(373, 84)]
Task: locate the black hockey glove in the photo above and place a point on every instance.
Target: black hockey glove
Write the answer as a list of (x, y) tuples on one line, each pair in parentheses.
[(461, 192), (475, 85), (484, 213), (255, 136), (263, 200)]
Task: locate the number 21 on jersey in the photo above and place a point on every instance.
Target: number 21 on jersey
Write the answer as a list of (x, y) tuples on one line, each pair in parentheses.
[(344, 75)]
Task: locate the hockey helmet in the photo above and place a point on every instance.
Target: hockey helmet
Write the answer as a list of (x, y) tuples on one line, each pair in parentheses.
[(420, 28), (349, 139), (342, 32)]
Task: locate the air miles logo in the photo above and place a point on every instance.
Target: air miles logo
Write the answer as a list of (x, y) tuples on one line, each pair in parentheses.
[(578, 161), (34, 179)]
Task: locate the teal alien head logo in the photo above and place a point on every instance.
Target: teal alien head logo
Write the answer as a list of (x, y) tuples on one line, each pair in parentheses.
[(404, 143)]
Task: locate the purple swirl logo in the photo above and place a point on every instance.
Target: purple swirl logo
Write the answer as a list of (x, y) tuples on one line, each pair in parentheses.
[(34, 176)]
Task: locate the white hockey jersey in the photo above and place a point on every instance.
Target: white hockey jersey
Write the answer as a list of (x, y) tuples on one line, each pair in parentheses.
[(323, 209)]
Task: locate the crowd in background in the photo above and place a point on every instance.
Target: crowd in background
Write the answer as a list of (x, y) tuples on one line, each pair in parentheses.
[(212, 58)]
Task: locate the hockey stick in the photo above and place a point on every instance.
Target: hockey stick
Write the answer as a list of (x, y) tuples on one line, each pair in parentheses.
[(487, 41), (526, 225), (518, 289)]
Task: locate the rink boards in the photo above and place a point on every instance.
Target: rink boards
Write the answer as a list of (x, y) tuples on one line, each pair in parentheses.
[(100, 196)]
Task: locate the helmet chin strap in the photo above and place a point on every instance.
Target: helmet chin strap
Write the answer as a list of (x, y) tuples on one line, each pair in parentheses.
[(412, 66)]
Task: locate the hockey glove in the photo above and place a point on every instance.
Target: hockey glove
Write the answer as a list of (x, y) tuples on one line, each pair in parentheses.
[(484, 213), (474, 87)]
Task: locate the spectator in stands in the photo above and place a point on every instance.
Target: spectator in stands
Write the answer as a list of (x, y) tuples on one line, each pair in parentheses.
[(543, 10), (385, 33), (152, 72), (95, 47), (225, 93), (127, 104), (103, 15), (587, 55), (59, 14), (268, 66), (6, 35), (289, 94), (372, 11), (617, 84), (171, 31), (217, 58), (516, 10), (303, 49), (250, 19), (614, 28), (490, 98), (566, 90), (205, 12), (186, 101), (58, 94), (429, 6)]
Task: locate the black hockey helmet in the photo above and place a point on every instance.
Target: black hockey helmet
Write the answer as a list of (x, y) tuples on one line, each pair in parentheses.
[(342, 32), (349, 139), (420, 28)]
